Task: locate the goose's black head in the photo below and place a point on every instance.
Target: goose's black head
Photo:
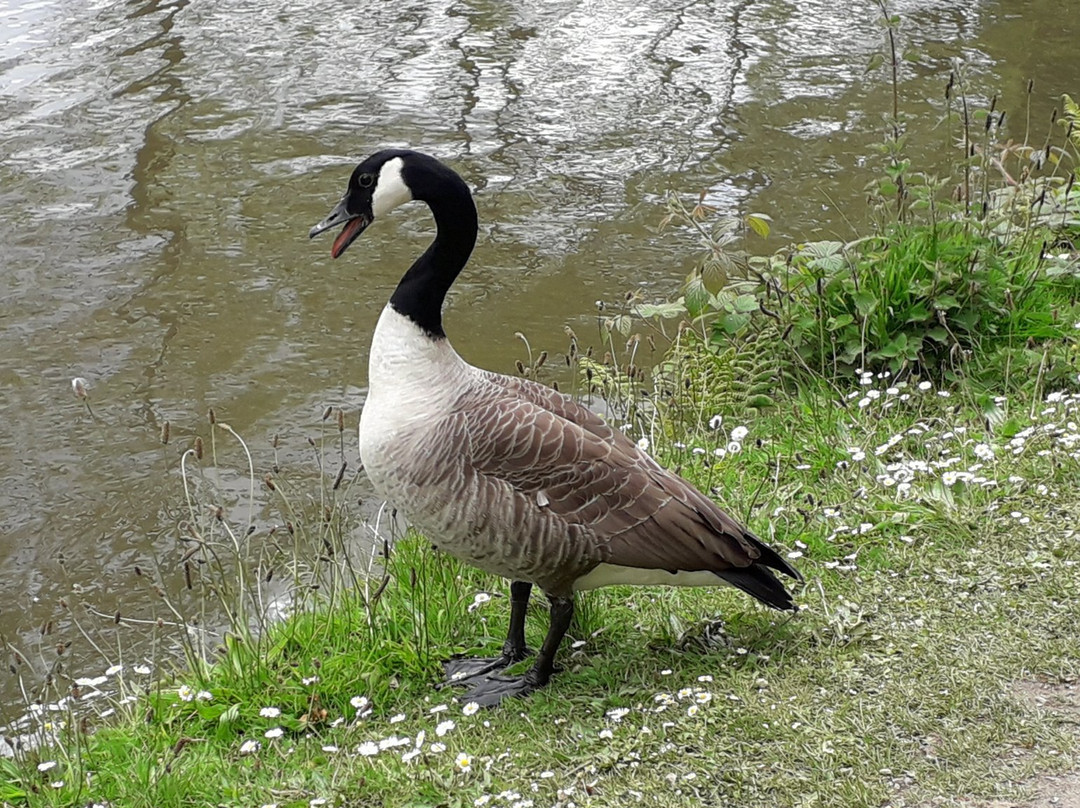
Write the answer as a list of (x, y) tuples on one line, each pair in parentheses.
[(390, 178), (377, 186)]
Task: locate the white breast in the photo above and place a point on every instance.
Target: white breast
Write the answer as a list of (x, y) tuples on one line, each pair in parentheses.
[(412, 380)]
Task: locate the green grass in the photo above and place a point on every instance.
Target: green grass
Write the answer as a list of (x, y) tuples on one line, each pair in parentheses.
[(941, 571)]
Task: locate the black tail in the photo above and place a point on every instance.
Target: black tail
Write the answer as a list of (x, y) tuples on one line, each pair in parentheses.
[(758, 580), (762, 584), (770, 558)]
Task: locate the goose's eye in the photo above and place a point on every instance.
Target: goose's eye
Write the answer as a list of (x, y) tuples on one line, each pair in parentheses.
[(366, 180)]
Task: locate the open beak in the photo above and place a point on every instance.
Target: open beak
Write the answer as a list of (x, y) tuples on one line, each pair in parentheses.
[(355, 224)]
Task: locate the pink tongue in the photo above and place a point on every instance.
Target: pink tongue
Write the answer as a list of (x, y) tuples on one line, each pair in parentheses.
[(345, 236)]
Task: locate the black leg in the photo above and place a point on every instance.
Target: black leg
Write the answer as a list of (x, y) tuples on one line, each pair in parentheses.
[(462, 670), (490, 690), (514, 648)]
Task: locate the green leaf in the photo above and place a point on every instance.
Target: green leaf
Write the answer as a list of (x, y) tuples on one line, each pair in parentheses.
[(733, 323), (230, 715), (912, 347), (835, 323), (759, 223), (622, 323), (865, 303), (938, 334), (696, 295), (946, 302), (760, 402), (745, 303), (665, 311), (917, 314), (876, 61)]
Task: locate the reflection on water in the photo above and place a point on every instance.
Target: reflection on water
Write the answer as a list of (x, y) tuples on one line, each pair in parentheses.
[(161, 163)]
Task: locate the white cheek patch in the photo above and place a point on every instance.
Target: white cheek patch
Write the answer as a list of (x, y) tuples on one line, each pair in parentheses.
[(390, 190)]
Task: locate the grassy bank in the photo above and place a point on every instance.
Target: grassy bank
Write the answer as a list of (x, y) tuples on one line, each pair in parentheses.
[(941, 564)]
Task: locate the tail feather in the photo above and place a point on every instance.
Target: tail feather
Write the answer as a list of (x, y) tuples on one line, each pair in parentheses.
[(759, 581), (770, 558)]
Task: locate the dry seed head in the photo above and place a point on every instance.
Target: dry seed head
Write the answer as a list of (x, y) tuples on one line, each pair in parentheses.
[(187, 576), (327, 413), (269, 481), (341, 420), (80, 387), (212, 416), (198, 449), (541, 359), (519, 365), (165, 433)]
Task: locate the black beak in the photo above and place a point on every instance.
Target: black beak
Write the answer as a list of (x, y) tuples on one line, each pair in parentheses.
[(355, 224)]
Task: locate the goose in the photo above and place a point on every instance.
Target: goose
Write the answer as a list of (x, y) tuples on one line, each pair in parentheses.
[(509, 475)]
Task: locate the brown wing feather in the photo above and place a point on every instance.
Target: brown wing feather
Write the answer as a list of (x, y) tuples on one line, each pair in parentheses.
[(638, 514), (564, 406)]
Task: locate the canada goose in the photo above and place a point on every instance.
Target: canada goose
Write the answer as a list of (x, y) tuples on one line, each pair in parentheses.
[(509, 475)]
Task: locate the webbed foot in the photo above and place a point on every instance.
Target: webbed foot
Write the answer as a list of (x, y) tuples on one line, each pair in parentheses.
[(491, 690), (464, 670)]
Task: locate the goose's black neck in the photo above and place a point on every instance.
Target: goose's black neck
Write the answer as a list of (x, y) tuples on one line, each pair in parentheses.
[(421, 292)]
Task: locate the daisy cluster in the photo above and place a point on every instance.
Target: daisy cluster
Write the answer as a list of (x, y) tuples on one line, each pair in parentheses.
[(442, 734), (658, 723), (723, 442), (931, 454)]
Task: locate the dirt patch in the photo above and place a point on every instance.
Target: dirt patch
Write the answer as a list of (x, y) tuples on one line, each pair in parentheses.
[(1050, 791), (1055, 792), (1058, 698)]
